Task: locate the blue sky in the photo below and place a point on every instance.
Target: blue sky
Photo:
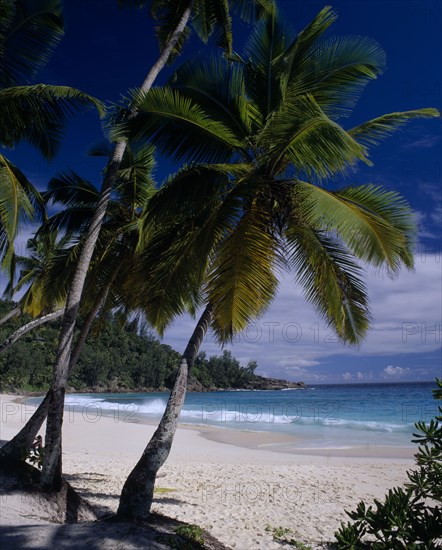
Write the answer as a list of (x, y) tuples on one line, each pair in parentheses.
[(106, 51)]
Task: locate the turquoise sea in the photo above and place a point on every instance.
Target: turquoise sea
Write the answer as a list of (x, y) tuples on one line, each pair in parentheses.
[(323, 416)]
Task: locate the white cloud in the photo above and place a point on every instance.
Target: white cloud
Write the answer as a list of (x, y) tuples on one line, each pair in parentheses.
[(346, 376), (394, 372), (425, 142), (290, 337), (424, 220)]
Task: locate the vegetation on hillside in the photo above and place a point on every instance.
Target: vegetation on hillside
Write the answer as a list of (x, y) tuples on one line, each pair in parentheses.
[(116, 359)]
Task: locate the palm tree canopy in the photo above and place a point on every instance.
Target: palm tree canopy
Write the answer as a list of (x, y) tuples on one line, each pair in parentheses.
[(29, 31), (44, 293), (48, 268), (263, 135), (208, 17)]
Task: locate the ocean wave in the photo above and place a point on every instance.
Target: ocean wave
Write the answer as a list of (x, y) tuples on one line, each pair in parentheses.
[(155, 406), (248, 415), (360, 425), (234, 418)]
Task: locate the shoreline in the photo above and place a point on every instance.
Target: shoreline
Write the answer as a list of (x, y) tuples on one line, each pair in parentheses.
[(233, 485), (245, 437)]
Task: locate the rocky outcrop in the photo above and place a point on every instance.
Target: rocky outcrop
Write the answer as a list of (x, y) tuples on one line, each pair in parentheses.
[(256, 383), (262, 383)]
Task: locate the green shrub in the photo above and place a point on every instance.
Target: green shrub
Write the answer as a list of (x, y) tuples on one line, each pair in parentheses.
[(284, 536)]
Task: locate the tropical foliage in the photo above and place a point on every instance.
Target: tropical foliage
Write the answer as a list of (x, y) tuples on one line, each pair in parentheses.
[(117, 358), (262, 136), (29, 31), (409, 517), (51, 475), (46, 270)]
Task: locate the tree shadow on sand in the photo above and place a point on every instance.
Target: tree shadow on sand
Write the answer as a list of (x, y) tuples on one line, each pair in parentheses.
[(34, 520)]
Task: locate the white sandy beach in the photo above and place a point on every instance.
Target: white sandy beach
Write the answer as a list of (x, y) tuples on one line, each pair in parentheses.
[(232, 484)]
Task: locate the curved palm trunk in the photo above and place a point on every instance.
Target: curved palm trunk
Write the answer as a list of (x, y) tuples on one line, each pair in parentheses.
[(13, 313), (51, 473), (14, 449), (30, 326), (137, 494)]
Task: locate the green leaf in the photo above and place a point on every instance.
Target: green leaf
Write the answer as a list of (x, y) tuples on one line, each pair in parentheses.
[(29, 32), (314, 144), (331, 280), (368, 219), (241, 282), (178, 127), (38, 113), (373, 131)]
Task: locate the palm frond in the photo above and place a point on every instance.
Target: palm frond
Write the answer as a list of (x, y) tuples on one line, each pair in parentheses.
[(37, 113), (168, 14), (371, 228), (219, 88), (373, 131), (168, 275), (331, 280), (305, 40), (314, 144), (45, 273), (335, 72), (178, 127), (241, 283), (191, 192), (266, 43), (213, 17), (135, 183), (389, 206), (31, 29), (19, 201), (252, 11), (77, 196)]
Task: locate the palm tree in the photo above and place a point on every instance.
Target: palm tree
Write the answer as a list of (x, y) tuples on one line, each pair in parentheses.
[(45, 296), (207, 16), (267, 134), (50, 268), (29, 31), (44, 293)]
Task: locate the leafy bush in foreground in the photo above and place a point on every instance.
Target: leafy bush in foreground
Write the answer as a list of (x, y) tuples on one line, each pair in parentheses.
[(410, 517)]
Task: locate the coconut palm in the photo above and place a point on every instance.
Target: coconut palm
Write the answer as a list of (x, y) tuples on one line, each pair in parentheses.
[(263, 138), (29, 31), (44, 293), (208, 16), (45, 296), (50, 268)]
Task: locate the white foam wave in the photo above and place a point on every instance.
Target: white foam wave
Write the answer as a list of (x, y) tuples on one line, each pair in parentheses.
[(251, 414), (256, 416), (155, 406)]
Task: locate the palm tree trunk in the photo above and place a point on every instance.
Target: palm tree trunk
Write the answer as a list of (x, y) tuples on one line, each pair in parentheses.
[(85, 329), (30, 326), (137, 494), (14, 449), (13, 313), (51, 473)]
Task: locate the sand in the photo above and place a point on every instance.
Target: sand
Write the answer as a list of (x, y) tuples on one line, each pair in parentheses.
[(234, 484)]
